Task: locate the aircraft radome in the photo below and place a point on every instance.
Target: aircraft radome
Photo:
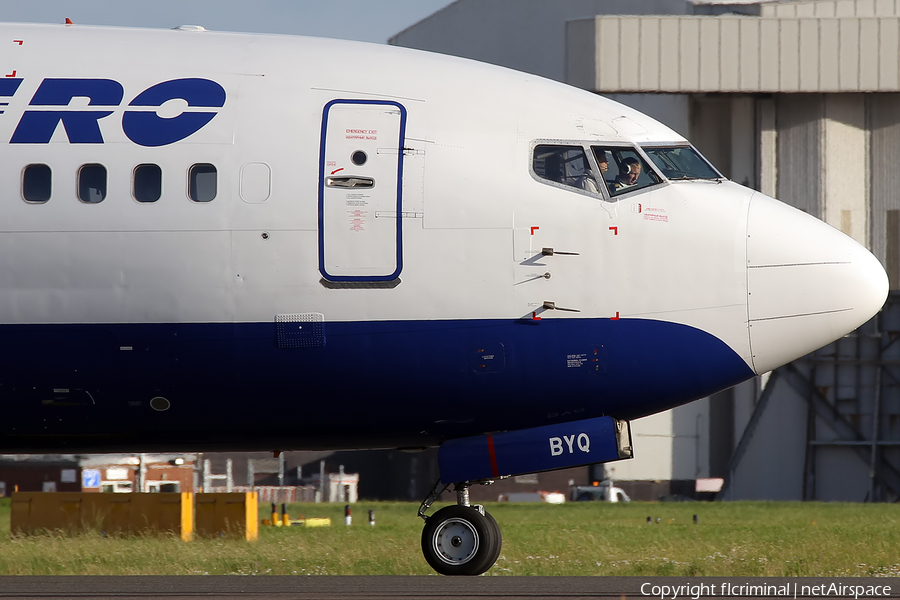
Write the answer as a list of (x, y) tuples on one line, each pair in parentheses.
[(393, 248)]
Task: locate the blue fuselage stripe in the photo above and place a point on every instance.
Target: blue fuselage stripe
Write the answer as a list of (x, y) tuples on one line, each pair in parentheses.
[(381, 384)]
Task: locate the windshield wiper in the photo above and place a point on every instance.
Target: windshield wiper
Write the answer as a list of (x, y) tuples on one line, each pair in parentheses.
[(691, 177)]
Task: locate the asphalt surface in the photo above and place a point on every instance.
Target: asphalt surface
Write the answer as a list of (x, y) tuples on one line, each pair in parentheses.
[(444, 588)]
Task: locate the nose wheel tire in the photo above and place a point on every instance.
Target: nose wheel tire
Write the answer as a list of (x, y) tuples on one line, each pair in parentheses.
[(498, 539), (459, 540)]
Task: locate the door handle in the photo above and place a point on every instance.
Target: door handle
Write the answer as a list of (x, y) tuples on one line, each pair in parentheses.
[(551, 252), (350, 182), (552, 306)]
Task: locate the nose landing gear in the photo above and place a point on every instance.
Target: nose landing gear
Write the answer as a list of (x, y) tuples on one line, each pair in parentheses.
[(461, 539)]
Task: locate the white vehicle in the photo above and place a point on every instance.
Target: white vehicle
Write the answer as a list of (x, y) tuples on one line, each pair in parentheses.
[(395, 249), (547, 497), (603, 492)]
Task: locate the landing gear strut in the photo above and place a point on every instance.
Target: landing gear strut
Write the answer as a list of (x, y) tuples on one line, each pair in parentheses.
[(461, 539)]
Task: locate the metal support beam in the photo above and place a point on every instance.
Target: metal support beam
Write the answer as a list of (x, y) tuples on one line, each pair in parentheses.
[(809, 457), (758, 411), (885, 472)]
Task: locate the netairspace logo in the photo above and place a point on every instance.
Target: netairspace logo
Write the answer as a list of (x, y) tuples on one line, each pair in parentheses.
[(788, 590)]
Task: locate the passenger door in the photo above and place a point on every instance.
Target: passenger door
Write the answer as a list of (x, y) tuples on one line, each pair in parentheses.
[(360, 189)]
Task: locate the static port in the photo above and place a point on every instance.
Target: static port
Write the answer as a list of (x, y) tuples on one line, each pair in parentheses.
[(160, 404)]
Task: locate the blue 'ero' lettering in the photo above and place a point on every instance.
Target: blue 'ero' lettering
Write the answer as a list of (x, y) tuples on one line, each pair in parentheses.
[(8, 87), (143, 127), (149, 129), (37, 126)]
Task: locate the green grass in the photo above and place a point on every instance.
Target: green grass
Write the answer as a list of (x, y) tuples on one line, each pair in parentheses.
[(731, 539)]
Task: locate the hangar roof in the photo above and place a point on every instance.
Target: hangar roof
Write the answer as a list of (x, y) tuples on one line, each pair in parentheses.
[(830, 8), (703, 54)]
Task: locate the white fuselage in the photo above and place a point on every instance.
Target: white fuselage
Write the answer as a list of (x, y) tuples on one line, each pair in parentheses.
[(445, 235)]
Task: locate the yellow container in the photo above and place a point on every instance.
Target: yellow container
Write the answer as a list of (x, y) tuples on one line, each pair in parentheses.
[(313, 522), (76, 512), (228, 515)]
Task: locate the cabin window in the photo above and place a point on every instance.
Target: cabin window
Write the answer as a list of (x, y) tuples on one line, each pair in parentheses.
[(681, 162), (92, 184), (624, 170), (36, 183), (147, 183), (256, 182), (202, 184), (566, 165)]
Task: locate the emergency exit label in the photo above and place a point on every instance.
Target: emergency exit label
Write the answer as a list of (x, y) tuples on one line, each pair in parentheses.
[(362, 134)]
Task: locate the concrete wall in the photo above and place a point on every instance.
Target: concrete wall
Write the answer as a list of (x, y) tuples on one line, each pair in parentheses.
[(772, 466), (831, 8), (527, 35), (883, 120), (845, 165), (684, 54)]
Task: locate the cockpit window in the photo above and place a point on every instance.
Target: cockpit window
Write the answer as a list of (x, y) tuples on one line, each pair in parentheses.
[(681, 162), (567, 165), (624, 170)]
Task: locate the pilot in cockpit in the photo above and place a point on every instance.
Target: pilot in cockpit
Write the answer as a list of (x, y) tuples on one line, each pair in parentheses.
[(629, 172), (602, 161)]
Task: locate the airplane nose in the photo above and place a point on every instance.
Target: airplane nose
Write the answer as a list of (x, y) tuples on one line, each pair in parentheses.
[(808, 284)]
